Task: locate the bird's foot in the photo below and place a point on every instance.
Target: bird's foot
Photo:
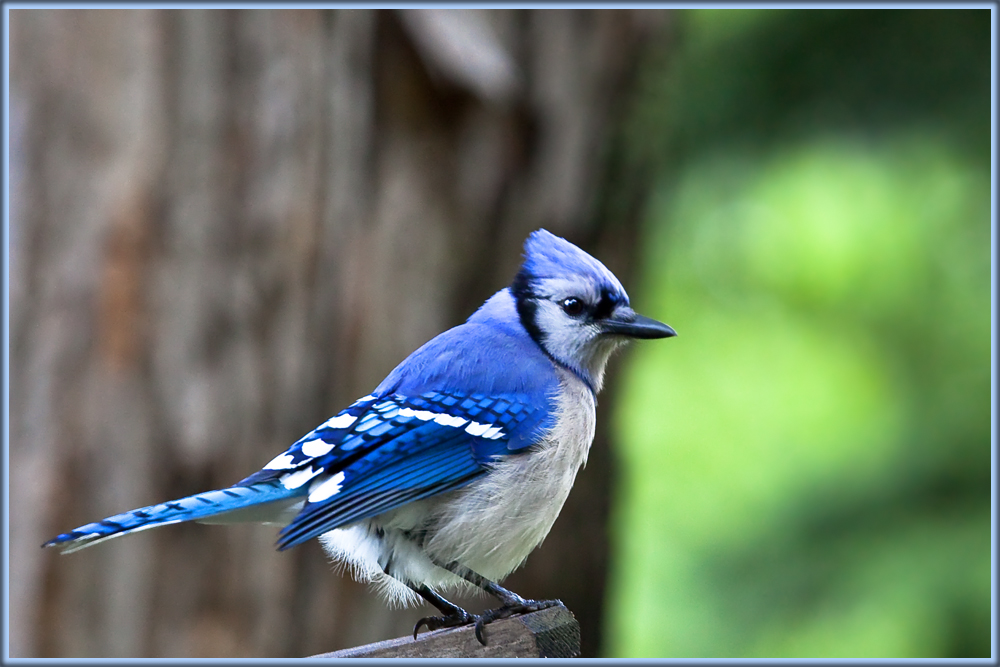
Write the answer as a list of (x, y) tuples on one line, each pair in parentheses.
[(461, 617), (508, 610)]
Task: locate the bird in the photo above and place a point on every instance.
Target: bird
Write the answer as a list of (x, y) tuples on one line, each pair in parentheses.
[(455, 467)]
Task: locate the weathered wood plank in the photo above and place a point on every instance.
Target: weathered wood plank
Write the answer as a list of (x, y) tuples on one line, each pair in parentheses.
[(550, 633)]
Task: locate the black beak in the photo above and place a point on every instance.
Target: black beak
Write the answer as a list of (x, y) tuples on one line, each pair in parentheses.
[(627, 322)]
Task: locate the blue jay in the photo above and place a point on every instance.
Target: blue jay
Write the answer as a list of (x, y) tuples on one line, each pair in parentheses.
[(456, 466)]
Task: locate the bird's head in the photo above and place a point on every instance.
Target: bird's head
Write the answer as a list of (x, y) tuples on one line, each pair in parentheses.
[(574, 307)]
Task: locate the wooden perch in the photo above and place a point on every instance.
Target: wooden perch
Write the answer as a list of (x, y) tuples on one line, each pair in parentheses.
[(549, 633)]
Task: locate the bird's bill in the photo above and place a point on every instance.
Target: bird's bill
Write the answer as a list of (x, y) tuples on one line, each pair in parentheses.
[(633, 325)]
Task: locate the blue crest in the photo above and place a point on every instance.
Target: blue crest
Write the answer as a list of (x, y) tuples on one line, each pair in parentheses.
[(547, 257)]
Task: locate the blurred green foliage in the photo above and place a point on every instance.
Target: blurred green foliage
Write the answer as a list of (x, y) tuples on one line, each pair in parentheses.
[(806, 468)]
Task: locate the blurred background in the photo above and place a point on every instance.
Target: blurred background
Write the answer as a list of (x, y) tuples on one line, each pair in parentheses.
[(226, 225)]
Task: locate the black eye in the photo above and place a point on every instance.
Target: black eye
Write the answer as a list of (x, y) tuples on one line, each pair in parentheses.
[(572, 306)]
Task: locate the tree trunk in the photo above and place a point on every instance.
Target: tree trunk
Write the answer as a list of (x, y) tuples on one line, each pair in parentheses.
[(229, 224)]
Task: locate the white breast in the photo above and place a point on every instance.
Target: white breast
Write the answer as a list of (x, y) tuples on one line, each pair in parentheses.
[(494, 523), (491, 525)]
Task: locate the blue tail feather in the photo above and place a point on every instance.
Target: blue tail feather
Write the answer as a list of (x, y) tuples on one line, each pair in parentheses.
[(197, 507)]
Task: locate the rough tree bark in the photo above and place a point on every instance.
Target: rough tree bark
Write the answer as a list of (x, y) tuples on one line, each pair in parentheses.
[(227, 225)]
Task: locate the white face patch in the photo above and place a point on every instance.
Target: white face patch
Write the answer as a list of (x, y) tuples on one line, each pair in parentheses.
[(299, 477), (281, 462), (315, 448), (574, 341), (340, 421), (324, 488)]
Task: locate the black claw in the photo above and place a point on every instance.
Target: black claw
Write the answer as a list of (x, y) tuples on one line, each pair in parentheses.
[(480, 626), (507, 611), (438, 622), (481, 620)]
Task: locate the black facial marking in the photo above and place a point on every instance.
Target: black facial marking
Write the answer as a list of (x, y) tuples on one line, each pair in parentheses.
[(605, 306), (521, 287), (524, 297)]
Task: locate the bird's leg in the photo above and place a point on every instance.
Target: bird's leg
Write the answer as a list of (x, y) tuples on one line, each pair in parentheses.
[(511, 602), (453, 615)]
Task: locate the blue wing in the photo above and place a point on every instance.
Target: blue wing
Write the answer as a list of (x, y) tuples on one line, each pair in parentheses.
[(381, 453)]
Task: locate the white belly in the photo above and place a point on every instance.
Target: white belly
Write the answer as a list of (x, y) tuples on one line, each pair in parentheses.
[(489, 526)]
